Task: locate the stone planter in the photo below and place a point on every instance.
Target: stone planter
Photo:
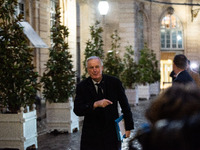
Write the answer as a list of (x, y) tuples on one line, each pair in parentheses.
[(132, 95), (155, 88), (18, 130), (60, 117), (144, 91)]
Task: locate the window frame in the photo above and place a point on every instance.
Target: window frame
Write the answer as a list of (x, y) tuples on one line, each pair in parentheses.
[(52, 15), (20, 9), (167, 34)]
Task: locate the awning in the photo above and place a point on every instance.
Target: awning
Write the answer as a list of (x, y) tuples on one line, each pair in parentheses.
[(32, 35)]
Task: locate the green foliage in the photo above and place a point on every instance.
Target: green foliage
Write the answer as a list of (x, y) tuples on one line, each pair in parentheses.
[(94, 46), (113, 64), (18, 80), (59, 77), (130, 74), (148, 66)]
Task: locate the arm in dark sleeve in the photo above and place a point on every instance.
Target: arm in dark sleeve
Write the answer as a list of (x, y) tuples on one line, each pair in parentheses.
[(123, 101), (81, 106)]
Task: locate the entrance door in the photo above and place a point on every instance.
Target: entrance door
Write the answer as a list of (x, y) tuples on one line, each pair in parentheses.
[(166, 68)]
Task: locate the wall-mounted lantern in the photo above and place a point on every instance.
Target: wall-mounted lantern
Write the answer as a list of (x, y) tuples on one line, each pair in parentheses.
[(103, 7)]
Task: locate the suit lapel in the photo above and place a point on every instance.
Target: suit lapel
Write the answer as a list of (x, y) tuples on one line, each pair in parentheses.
[(91, 88), (104, 86)]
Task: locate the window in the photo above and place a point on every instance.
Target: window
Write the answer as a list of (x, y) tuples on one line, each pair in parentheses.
[(20, 8), (171, 33), (52, 12)]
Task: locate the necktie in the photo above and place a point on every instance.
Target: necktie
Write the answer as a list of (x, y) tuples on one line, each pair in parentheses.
[(100, 93)]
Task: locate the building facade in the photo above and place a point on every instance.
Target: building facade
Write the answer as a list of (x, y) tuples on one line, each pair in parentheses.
[(167, 26)]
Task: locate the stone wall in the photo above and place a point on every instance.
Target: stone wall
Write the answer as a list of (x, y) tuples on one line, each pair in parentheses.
[(88, 16), (122, 16)]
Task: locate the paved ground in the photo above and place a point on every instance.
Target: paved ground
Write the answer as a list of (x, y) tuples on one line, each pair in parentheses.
[(67, 141)]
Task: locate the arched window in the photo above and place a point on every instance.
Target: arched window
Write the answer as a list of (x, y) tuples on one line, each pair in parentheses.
[(171, 33)]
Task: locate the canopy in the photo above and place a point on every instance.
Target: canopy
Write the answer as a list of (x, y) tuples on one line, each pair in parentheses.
[(32, 35)]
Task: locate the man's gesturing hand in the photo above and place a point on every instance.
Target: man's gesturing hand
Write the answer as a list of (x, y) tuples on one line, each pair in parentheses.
[(102, 103)]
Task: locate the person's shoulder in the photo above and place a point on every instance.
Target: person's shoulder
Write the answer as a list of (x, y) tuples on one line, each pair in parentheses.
[(185, 73), (83, 82), (110, 78)]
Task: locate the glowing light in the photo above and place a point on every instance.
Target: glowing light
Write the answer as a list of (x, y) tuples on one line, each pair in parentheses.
[(193, 65), (169, 61), (103, 7), (178, 37)]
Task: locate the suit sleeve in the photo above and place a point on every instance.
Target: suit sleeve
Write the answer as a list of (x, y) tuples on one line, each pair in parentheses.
[(81, 107), (123, 101)]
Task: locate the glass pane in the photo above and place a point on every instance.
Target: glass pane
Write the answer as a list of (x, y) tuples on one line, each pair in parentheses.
[(168, 38), (180, 39), (20, 9), (174, 39), (165, 22), (162, 39), (173, 21)]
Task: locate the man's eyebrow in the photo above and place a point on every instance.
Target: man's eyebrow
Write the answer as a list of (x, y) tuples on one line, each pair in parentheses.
[(94, 66)]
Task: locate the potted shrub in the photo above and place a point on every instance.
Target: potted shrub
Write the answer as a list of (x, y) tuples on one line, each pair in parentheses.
[(18, 82), (148, 71), (155, 84), (129, 76), (59, 81), (113, 64)]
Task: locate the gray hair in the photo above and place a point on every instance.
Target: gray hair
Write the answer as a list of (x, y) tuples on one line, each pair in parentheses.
[(94, 57)]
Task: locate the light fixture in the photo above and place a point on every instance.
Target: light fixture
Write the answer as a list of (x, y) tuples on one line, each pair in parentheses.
[(103, 7), (193, 65), (194, 13)]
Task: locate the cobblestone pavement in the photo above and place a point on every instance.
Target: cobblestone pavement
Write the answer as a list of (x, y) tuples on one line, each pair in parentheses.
[(67, 141)]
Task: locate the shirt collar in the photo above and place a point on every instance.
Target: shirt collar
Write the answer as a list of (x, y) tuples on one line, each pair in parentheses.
[(96, 82), (178, 73)]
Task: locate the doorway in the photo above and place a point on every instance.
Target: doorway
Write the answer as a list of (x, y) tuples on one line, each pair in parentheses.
[(166, 68)]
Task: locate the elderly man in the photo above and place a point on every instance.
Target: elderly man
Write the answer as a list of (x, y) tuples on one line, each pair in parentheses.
[(97, 100)]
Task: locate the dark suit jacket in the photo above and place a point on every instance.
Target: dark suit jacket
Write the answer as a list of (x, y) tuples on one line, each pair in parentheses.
[(99, 132), (183, 77)]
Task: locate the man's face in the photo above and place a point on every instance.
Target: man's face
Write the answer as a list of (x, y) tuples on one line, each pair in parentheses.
[(175, 69), (94, 69)]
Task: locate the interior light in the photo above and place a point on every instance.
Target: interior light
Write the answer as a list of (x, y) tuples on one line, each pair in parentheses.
[(178, 37)]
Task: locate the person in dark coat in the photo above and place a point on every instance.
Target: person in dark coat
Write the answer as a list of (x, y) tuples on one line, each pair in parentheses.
[(101, 111), (173, 120), (172, 75), (179, 68)]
